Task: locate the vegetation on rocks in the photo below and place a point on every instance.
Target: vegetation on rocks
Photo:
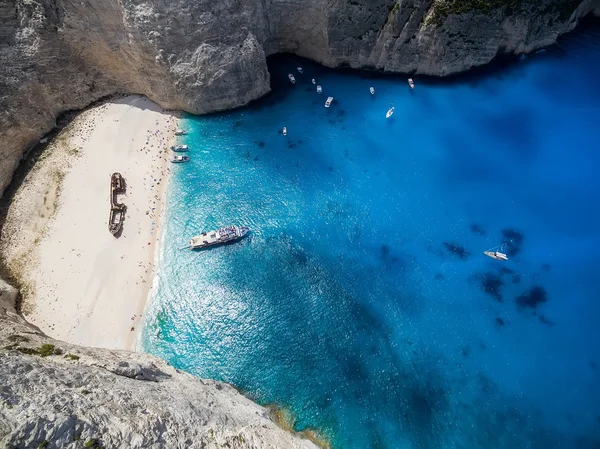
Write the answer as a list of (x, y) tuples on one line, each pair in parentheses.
[(562, 9)]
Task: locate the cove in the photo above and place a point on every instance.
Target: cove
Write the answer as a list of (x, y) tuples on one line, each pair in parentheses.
[(362, 302)]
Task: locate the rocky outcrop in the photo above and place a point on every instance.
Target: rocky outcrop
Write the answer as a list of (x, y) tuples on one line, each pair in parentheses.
[(202, 56), (57, 395)]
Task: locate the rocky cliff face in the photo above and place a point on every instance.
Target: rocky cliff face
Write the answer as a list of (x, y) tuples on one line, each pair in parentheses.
[(202, 56), (57, 395)]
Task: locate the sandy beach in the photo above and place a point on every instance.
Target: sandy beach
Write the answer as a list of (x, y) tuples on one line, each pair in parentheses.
[(79, 282)]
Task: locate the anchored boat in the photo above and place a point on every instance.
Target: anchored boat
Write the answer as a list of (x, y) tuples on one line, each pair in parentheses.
[(411, 83), (495, 254), (372, 90), (328, 102), (284, 131), (319, 89), (180, 159), (218, 237), (179, 148), (300, 70), (389, 112), (180, 132), (313, 81), (292, 79)]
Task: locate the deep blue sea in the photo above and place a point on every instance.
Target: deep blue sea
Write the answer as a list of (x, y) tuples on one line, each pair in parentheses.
[(362, 302)]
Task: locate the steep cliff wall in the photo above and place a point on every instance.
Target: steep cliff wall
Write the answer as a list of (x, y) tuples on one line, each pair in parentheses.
[(68, 396), (202, 56)]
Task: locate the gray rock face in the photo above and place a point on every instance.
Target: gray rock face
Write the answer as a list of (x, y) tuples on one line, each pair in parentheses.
[(203, 55), (68, 396)]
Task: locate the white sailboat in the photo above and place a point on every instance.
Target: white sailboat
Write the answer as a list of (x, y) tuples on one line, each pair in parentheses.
[(313, 81), (495, 254), (389, 112)]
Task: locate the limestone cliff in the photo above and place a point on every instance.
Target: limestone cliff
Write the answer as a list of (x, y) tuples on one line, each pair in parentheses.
[(202, 56), (57, 395)]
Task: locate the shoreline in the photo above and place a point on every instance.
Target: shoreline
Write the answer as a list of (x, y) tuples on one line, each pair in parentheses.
[(79, 283)]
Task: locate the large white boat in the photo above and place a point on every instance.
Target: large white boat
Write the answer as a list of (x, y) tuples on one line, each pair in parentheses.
[(218, 237), (328, 102), (292, 79), (179, 148), (319, 89), (180, 132), (389, 112), (180, 159)]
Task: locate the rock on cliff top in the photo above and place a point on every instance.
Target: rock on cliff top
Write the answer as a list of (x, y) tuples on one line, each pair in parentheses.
[(57, 395)]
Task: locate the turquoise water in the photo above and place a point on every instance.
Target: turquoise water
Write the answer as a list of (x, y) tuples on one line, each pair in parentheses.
[(362, 302)]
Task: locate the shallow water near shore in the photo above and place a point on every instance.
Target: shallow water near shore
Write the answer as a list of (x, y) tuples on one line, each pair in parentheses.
[(362, 301)]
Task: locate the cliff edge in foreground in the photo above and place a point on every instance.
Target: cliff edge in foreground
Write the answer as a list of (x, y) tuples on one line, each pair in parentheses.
[(202, 56), (57, 395)]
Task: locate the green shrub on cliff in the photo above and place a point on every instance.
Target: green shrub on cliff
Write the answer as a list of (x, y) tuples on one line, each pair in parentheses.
[(441, 9)]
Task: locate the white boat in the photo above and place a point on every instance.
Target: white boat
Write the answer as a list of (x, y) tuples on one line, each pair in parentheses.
[(300, 69), (495, 252), (180, 132), (372, 90), (411, 83), (389, 112), (284, 131), (218, 237), (319, 90), (292, 79), (313, 81), (496, 255), (179, 148), (180, 159), (328, 102)]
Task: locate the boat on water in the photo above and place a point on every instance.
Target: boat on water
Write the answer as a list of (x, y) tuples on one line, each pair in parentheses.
[(218, 237), (496, 255), (411, 83), (300, 70), (319, 89), (328, 102), (284, 131), (372, 90), (389, 112), (313, 81), (292, 79), (179, 148), (180, 159), (496, 252), (180, 132)]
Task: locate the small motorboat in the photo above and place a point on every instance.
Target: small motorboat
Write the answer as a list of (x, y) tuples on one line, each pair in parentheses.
[(180, 159), (292, 79), (300, 70), (179, 148), (328, 102), (180, 132), (372, 90), (496, 255), (411, 83), (284, 131), (313, 81), (389, 112), (319, 90)]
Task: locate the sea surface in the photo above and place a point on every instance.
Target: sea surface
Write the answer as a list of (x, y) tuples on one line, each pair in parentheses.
[(361, 302)]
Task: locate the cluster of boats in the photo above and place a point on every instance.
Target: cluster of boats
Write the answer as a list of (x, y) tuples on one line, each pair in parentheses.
[(329, 100), (180, 158)]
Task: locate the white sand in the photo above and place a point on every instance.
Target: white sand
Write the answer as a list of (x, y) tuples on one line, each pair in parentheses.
[(84, 285)]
